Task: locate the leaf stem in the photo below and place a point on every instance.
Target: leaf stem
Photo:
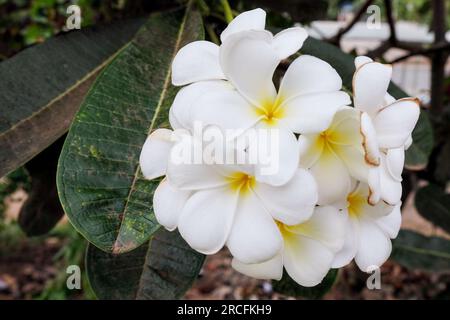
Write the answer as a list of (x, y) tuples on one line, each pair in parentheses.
[(227, 10), (212, 34)]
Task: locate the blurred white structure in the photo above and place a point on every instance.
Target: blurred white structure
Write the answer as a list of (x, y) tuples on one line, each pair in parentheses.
[(413, 74)]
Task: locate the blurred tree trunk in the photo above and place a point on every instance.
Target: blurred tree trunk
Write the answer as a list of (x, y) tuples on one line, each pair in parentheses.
[(439, 58)]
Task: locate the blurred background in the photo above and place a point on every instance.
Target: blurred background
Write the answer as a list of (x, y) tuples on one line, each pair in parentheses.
[(413, 35)]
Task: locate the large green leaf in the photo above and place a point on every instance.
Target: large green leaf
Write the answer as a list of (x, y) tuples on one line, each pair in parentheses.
[(42, 87), (165, 268), (434, 205), (99, 182), (289, 287), (416, 251), (417, 155)]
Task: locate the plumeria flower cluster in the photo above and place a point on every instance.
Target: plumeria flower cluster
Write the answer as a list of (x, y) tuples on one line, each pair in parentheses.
[(335, 193)]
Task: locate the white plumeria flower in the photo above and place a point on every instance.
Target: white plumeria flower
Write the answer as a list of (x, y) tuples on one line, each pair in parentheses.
[(369, 230), (308, 249), (199, 60), (336, 155), (246, 97), (214, 205), (387, 124)]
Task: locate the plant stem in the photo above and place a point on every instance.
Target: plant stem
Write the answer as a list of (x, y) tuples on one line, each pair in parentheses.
[(227, 10), (212, 34)]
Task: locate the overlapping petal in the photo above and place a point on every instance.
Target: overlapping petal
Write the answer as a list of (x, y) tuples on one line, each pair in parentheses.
[(289, 41), (270, 269), (155, 153), (197, 61), (207, 217), (395, 122), (308, 74), (254, 237), (168, 202), (313, 113), (249, 20), (293, 202), (248, 61), (370, 83)]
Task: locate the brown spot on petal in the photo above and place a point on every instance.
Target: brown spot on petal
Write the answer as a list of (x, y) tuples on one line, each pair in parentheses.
[(367, 157)]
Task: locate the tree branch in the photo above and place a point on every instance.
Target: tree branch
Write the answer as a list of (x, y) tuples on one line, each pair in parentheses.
[(336, 39), (439, 58), (423, 51), (391, 22)]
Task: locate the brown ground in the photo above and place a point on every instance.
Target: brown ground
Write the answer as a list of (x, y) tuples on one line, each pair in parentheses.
[(25, 271)]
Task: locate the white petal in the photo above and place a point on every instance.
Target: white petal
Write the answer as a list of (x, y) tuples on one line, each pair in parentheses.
[(332, 177), (370, 141), (348, 251), (308, 74), (311, 147), (408, 142), (248, 60), (289, 41), (360, 60), (293, 202), (249, 20), (226, 109), (363, 209), (395, 122), (345, 128), (388, 99), (395, 159), (187, 97), (254, 237), (155, 153), (390, 187), (313, 113), (279, 164), (391, 223), (307, 261), (187, 174), (174, 123), (354, 159), (391, 190), (196, 61), (168, 202), (206, 219), (326, 225), (370, 83), (270, 269), (374, 185), (374, 246)]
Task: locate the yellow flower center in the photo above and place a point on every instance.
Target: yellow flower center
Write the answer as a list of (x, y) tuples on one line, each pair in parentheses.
[(241, 182), (355, 204), (290, 233), (327, 137), (270, 111)]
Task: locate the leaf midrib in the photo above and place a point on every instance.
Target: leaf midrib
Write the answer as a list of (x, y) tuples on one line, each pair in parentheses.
[(428, 252), (76, 85), (117, 246)]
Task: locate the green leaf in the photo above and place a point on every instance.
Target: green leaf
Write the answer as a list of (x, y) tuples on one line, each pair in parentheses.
[(42, 87), (42, 210), (417, 155), (99, 181), (442, 170), (434, 205), (416, 251), (289, 287), (165, 268)]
